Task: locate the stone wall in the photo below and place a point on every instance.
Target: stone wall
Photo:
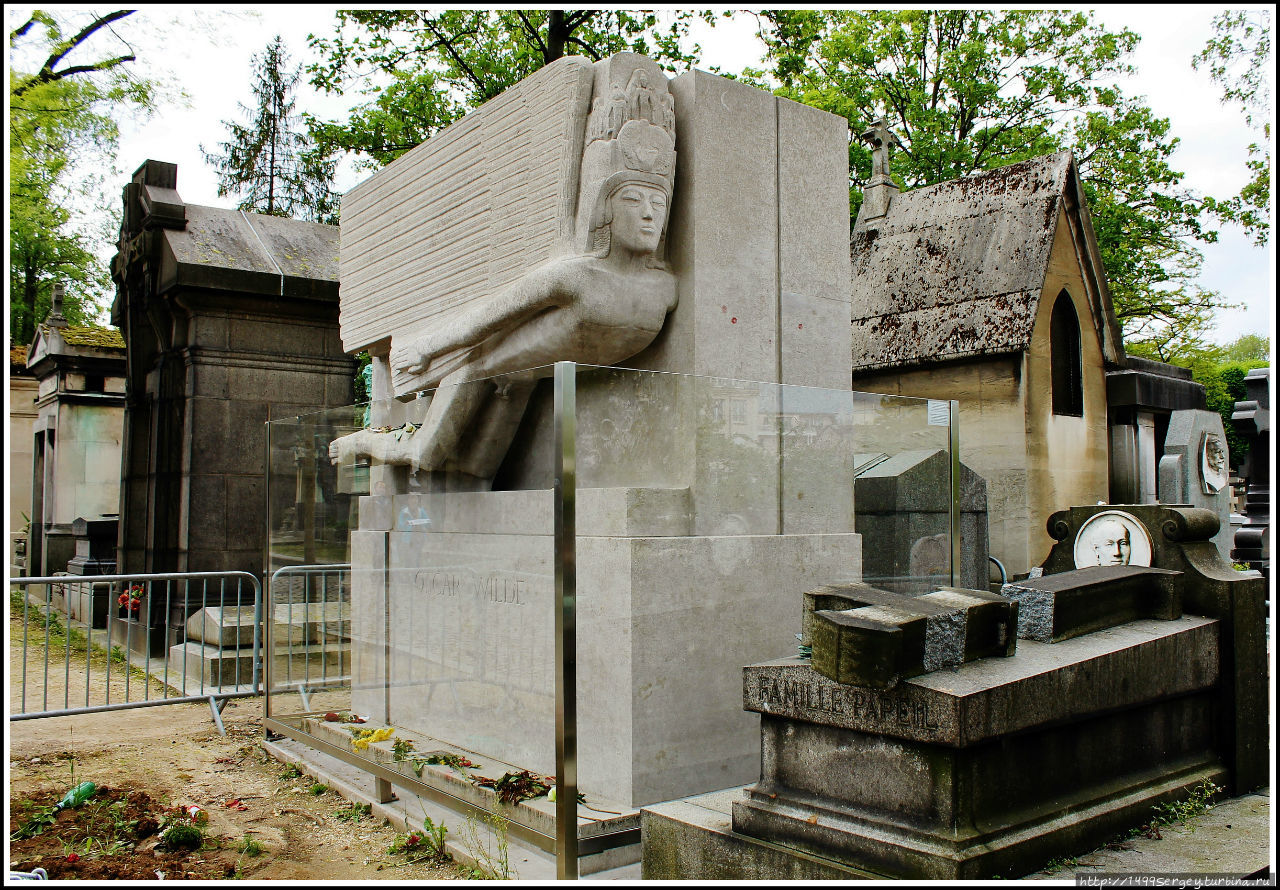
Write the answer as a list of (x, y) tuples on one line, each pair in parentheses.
[(22, 414)]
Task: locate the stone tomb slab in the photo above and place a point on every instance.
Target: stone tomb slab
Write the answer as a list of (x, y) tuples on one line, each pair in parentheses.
[(232, 626), (1058, 607), (874, 638), (984, 770)]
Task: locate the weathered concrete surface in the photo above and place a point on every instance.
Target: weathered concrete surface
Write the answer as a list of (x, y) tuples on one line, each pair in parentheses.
[(985, 770), (1234, 837), (694, 839), (1209, 585), (1193, 469)]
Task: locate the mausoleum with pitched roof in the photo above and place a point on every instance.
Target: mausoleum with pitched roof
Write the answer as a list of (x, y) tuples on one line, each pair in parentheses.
[(990, 289)]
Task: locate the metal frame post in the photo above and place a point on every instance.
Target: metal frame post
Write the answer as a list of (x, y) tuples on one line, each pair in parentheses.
[(565, 429)]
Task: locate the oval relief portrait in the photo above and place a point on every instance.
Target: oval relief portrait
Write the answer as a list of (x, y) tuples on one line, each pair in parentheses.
[(1213, 463), (1112, 538)]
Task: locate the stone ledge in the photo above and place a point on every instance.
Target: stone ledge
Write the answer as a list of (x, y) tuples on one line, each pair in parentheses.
[(694, 839), (1043, 683)]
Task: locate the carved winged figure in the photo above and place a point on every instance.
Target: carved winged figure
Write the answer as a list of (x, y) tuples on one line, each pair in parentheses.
[(599, 307)]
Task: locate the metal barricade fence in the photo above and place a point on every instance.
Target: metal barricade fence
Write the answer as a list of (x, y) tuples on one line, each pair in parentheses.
[(309, 636), (131, 641)]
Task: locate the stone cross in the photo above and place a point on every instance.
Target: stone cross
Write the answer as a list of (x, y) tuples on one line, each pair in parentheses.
[(55, 318), (881, 138)]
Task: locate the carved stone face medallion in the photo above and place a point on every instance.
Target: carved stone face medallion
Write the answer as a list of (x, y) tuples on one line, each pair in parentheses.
[(1213, 463), (1112, 538), (639, 212)]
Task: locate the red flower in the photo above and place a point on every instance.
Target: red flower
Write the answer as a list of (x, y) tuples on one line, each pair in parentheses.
[(73, 857)]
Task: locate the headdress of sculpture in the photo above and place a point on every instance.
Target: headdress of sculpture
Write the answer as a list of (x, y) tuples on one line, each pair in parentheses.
[(563, 310)]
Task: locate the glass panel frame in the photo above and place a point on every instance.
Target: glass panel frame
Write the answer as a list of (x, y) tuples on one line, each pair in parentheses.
[(787, 437)]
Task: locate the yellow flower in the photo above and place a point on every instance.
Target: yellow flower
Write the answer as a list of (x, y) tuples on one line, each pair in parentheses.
[(366, 736)]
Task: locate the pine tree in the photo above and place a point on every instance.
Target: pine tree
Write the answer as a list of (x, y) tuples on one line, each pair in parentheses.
[(269, 162)]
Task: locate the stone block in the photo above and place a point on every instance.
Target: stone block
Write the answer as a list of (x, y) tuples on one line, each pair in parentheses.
[(1058, 607), (246, 511), (206, 516), (873, 646), (470, 636), (198, 666), (870, 637), (1194, 469), (693, 839)]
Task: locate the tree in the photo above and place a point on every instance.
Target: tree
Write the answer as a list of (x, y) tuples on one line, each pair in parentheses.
[(1238, 57), (64, 95), (971, 90), (423, 69), (270, 161), (1249, 348)]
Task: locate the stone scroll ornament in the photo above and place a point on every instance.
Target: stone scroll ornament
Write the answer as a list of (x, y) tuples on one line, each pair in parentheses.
[(601, 305)]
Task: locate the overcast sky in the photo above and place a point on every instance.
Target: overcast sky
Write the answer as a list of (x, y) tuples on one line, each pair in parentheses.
[(208, 54)]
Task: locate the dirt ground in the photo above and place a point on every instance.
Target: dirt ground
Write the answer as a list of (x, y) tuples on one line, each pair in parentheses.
[(149, 761)]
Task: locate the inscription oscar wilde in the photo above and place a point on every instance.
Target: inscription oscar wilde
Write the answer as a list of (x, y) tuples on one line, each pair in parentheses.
[(493, 588), (793, 694)]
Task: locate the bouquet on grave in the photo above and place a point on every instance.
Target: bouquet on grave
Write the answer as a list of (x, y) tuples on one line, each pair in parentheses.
[(131, 599)]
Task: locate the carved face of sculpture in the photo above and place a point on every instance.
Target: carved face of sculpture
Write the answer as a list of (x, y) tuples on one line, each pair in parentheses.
[(1215, 455), (638, 214), (1112, 544)]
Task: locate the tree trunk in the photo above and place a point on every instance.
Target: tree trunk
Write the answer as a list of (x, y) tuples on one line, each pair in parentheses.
[(30, 288), (557, 35)]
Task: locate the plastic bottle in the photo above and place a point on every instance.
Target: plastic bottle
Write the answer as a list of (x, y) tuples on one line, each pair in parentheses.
[(77, 795)]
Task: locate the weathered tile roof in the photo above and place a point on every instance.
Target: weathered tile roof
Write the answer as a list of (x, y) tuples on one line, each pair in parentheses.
[(92, 335), (217, 238), (956, 269)]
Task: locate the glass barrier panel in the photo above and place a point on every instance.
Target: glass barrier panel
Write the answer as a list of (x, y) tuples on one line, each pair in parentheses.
[(706, 508), (412, 589), (414, 560)]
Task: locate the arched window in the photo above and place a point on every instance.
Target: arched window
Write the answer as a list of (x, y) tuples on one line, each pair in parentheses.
[(1064, 337)]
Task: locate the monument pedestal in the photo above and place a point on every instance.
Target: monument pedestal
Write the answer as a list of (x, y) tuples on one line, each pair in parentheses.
[(453, 631), (989, 770)]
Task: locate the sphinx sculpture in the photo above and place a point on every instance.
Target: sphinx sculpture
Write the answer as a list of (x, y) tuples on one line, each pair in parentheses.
[(600, 305)]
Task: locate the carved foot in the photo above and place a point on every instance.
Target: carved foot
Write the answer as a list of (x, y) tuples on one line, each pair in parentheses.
[(346, 449)]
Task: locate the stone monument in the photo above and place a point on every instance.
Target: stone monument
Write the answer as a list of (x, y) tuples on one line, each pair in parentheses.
[(921, 743), (598, 305), (1252, 420), (80, 408), (1195, 468), (597, 213)]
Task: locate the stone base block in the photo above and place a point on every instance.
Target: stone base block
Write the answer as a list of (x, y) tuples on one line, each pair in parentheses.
[(595, 818), (994, 768), (308, 666), (993, 848), (693, 839), (89, 603), (128, 633), (664, 626), (202, 665)]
